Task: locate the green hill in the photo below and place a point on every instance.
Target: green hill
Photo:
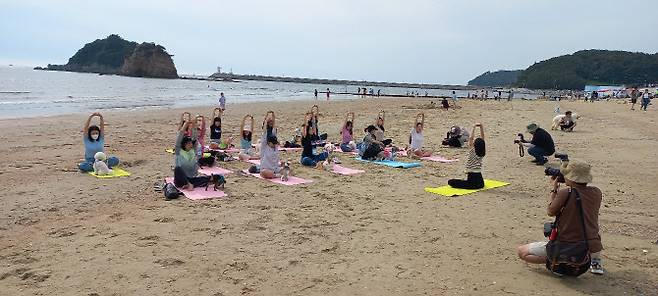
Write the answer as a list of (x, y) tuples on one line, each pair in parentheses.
[(596, 67), (114, 55), (497, 78)]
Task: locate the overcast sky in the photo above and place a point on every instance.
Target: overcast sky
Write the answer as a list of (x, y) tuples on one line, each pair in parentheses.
[(437, 41)]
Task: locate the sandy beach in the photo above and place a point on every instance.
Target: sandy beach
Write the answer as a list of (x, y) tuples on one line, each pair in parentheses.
[(378, 233)]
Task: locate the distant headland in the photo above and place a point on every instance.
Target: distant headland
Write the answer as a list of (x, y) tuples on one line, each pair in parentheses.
[(114, 55), (574, 71)]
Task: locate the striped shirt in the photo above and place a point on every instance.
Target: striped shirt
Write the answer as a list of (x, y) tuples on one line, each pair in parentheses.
[(473, 162)]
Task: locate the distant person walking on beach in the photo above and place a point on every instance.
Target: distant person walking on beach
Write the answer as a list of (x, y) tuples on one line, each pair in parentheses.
[(454, 98), (511, 95), (646, 100), (316, 94), (595, 96), (328, 92), (378, 92), (634, 95), (222, 101)]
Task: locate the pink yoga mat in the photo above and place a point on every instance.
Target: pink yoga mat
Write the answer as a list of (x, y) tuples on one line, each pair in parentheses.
[(338, 169), (252, 161), (292, 180), (400, 153), (438, 158), (214, 170), (199, 193), (290, 149)]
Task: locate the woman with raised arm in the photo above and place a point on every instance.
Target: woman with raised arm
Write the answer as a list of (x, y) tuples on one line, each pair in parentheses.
[(94, 141), (185, 117), (201, 134), (379, 132), (216, 130), (347, 132), (246, 134), (416, 138), (186, 167), (473, 170), (315, 113), (309, 142)]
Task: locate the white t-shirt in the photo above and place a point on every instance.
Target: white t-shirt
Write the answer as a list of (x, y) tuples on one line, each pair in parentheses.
[(222, 102), (417, 140)]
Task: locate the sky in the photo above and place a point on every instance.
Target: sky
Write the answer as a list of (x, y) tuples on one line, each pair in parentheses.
[(445, 42)]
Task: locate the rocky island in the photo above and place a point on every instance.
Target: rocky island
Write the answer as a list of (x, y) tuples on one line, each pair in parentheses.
[(114, 55)]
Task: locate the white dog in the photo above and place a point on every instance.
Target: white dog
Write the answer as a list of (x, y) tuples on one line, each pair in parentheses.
[(558, 118), (100, 167)]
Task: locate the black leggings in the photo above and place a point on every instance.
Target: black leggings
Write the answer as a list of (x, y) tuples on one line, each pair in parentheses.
[(180, 179), (473, 181)]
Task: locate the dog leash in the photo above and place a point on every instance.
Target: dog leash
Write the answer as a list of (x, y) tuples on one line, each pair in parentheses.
[(521, 150)]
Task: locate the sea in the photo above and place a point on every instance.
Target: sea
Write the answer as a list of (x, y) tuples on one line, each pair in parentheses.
[(25, 92)]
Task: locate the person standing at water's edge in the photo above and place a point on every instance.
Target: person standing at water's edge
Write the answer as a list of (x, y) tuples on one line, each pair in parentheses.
[(328, 92), (222, 101), (316, 94)]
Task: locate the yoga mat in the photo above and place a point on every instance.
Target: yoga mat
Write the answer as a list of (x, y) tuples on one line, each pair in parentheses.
[(229, 150), (292, 180), (169, 150), (252, 161), (199, 193), (393, 163), (449, 191), (338, 169), (116, 172), (214, 170), (439, 158), (290, 149)]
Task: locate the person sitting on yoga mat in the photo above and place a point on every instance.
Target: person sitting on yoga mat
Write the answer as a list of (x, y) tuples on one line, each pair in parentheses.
[(347, 133), (94, 141), (246, 133), (371, 149), (315, 113), (186, 168), (309, 137), (270, 164), (473, 170), (379, 132), (216, 131), (456, 137), (416, 139)]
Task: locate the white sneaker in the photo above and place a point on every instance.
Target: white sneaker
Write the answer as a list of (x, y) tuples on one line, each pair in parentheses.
[(595, 267)]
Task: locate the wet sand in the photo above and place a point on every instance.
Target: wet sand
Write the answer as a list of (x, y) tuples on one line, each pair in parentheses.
[(377, 233)]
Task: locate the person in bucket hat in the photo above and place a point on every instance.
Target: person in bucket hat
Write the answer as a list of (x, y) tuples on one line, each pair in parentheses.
[(562, 202), (541, 145)]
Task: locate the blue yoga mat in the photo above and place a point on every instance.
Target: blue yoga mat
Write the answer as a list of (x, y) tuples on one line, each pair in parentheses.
[(392, 163)]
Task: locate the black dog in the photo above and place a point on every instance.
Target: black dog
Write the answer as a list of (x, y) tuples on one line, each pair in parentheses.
[(218, 181)]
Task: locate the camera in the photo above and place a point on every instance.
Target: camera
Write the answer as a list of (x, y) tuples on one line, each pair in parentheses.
[(548, 228), (519, 139), (555, 172)]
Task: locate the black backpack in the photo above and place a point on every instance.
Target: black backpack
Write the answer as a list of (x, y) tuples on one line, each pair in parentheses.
[(569, 258), (171, 192)]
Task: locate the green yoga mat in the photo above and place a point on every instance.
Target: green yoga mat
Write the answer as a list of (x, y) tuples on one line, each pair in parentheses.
[(450, 191)]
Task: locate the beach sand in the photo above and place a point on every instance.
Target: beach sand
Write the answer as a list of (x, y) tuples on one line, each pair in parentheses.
[(377, 233)]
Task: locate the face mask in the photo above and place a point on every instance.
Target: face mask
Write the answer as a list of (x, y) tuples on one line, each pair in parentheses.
[(95, 136)]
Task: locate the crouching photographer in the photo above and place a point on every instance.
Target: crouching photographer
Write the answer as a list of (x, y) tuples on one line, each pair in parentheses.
[(574, 244), (540, 146)]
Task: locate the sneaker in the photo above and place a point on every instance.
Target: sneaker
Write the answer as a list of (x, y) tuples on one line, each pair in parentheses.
[(596, 267), (534, 161)]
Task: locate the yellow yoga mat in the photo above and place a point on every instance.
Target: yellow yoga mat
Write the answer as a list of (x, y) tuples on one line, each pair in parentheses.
[(170, 150), (449, 191), (116, 172)]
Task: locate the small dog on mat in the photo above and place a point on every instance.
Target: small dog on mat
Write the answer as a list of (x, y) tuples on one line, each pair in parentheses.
[(285, 171), (100, 167), (218, 182)]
